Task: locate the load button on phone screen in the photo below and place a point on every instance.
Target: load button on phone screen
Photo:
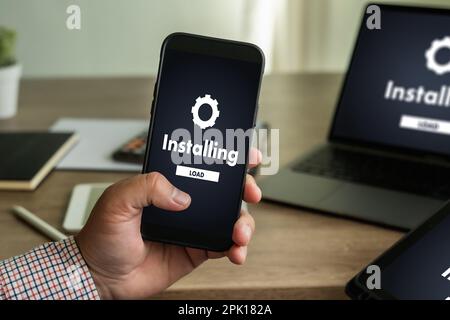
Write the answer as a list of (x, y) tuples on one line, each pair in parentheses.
[(195, 173)]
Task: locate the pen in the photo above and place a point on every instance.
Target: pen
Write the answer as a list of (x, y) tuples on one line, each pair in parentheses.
[(38, 223)]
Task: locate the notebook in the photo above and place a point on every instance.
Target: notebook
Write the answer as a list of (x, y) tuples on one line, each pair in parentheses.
[(27, 157), (99, 138)]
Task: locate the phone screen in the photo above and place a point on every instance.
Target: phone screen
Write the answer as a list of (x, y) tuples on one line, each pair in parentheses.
[(201, 98)]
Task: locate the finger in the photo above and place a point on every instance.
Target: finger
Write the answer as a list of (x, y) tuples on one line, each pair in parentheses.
[(243, 229), (197, 256), (147, 189), (237, 254), (215, 255), (252, 193), (254, 157)]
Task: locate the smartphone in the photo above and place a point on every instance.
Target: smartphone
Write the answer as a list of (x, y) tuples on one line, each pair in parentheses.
[(415, 268), (133, 151), (207, 89)]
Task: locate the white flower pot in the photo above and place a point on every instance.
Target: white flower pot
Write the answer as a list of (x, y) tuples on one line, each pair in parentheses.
[(9, 90)]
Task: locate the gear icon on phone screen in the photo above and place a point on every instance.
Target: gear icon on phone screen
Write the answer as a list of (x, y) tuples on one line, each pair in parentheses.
[(430, 55), (212, 103)]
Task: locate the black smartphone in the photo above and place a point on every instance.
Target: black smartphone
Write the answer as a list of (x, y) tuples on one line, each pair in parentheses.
[(206, 90), (416, 268)]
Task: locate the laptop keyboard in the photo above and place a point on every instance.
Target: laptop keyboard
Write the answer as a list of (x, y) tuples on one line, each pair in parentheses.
[(379, 171)]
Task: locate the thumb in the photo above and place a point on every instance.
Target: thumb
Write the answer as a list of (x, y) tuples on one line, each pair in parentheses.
[(142, 190)]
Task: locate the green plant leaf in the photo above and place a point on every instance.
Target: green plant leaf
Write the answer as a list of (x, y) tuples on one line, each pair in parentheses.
[(7, 46)]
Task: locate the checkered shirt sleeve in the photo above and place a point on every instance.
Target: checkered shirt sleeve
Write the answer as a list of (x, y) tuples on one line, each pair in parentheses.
[(53, 271)]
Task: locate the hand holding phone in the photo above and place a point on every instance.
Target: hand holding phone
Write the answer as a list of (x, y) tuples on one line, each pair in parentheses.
[(123, 265)]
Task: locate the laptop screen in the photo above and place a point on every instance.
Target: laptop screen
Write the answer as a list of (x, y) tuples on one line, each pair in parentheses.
[(397, 89)]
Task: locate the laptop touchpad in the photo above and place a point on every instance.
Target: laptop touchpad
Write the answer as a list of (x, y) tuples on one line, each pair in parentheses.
[(294, 188), (385, 206)]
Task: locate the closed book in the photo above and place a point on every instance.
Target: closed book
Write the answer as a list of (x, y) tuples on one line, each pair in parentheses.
[(26, 158)]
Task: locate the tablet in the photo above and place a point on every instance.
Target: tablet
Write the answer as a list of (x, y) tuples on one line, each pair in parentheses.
[(82, 200), (417, 267)]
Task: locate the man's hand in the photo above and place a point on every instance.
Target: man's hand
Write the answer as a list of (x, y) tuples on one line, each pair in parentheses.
[(123, 265)]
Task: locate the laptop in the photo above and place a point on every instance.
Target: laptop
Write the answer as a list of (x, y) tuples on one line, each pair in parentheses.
[(387, 156)]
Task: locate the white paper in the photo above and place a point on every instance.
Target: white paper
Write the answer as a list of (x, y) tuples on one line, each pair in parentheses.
[(98, 139)]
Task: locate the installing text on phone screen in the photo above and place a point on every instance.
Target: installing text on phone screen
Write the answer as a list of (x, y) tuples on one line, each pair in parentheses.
[(204, 107)]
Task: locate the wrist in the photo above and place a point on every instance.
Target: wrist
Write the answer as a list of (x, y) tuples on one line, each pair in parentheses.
[(100, 282), (102, 286)]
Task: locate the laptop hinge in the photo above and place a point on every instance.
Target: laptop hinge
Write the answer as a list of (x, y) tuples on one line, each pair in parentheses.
[(427, 158)]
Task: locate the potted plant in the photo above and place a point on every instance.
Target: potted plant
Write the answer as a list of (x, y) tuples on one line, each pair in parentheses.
[(10, 72)]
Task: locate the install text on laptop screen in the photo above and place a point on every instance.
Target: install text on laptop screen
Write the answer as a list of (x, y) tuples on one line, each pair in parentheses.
[(397, 90)]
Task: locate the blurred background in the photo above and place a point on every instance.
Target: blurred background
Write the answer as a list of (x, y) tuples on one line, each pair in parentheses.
[(97, 82), (123, 38)]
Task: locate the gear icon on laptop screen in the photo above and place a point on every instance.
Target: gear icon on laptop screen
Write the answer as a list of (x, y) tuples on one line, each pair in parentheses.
[(214, 115), (430, 55)]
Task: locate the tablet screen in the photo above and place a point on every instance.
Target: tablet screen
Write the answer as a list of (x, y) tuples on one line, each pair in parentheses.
[(415, 268), (423, 270)]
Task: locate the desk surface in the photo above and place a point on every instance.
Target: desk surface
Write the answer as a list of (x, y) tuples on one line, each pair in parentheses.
[(295, 253)]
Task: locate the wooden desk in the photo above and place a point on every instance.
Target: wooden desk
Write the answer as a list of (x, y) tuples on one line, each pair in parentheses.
[(295, 253)]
